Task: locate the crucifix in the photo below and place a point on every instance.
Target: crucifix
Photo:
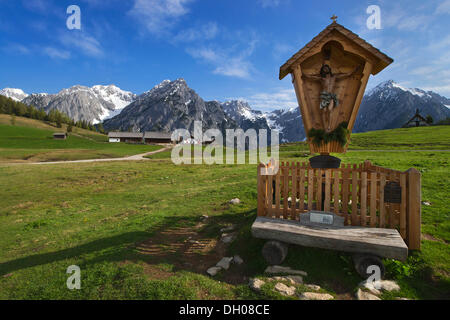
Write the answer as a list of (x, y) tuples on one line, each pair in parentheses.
[(328, 99), (334, 18)]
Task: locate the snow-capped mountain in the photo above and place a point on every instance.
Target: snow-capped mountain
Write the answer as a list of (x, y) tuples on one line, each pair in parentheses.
[(118, 97), (245, 117), (172, 104), (288, 122), (15, 94), (168, 106), (84, 103), (390, 105)]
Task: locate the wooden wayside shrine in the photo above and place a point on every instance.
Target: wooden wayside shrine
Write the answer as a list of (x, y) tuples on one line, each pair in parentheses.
[(366, 210), (330, 75)]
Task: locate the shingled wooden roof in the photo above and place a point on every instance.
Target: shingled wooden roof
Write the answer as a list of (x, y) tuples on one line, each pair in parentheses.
[(384, 59)]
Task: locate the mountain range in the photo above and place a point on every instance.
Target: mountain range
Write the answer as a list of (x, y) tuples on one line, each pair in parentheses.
[(173, 104), (79, 102)]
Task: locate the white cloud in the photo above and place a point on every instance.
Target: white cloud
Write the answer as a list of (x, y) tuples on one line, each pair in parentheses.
[(282, 51), (410, 23), (206, 32), (227, 62), (56, 53), (443, 8), (158, 16), (441, 89), (87, 44), (16, 48)]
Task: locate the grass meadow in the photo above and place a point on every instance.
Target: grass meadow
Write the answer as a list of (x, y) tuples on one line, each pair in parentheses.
[(32, 141), (136, 230)]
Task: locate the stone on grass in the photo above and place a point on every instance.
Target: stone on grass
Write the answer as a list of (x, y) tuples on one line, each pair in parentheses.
[(228, 229), (375, 286), (371, 287), (235, 201), (295, 279), (290, 279), (213, 271), (314, 287), (426, 203), (315, 296), (238, 260), (255, 284), (224, 262), (284, 289), (228, 238), (284, 270), (363, 295), (389, 285)]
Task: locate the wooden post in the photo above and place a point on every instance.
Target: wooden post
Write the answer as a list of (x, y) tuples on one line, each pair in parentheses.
[(403, 206), (414, 209)]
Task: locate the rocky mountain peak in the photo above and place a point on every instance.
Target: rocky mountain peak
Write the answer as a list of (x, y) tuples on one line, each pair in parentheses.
[(14, 93)]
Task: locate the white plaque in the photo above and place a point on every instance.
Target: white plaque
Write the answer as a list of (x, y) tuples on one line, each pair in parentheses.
[(321, 218)]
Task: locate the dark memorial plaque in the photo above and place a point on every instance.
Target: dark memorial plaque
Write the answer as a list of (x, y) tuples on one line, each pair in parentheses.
[(392, 192)]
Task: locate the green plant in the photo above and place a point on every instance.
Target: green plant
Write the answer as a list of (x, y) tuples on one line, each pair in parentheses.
[(339, 134)]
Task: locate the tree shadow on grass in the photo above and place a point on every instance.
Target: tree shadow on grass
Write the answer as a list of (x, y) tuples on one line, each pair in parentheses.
[(186, 242)]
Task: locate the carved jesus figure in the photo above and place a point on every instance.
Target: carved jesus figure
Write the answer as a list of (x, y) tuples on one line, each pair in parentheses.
[(328, 99)]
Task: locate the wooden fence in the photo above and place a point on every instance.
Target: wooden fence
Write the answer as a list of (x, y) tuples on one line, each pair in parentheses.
[(364, 194)]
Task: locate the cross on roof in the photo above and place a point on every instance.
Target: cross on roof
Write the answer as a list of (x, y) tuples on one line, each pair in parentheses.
[(334, 17)]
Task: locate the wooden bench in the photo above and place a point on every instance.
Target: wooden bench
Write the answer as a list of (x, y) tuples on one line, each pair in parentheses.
[(368, 245)]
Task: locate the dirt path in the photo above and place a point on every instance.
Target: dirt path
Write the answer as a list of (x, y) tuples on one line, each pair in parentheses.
[(135, 157)]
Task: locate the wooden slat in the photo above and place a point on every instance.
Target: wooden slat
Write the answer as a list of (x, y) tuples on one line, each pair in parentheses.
[(382, 204), (285, 192), (354, 197), (293, 214), (277, 194), (345, 185), (319, 190), (391, 217), (310, 188), (301, 184), (336, 191), (363, 198), (373, 199), (327, 190), (269, 199)]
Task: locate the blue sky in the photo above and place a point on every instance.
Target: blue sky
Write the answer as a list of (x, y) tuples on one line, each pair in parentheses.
[(223, 48)]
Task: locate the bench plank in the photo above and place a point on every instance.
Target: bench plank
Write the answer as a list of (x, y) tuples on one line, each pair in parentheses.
[(386, 243)]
